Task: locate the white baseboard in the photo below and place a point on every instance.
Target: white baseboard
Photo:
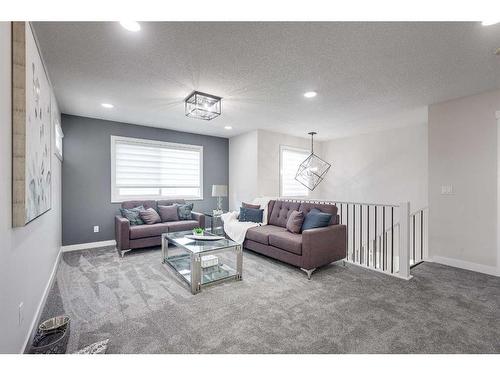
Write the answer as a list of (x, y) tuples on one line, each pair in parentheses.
[(88, 245), (48, 287), (481, 268)]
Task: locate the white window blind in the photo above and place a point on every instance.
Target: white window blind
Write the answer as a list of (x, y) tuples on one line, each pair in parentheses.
[(153, 169), (290, 159)]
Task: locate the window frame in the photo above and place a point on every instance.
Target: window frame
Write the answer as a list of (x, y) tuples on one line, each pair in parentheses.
[(297, 149), (117, 198), (58, 140)]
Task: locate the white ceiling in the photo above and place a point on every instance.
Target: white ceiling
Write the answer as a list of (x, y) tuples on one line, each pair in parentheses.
[(369, 76)]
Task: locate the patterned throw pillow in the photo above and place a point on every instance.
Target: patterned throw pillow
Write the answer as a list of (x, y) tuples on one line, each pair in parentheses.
[(251, 214), (133, 215), (150, 216), (184, 211), (99, 347)]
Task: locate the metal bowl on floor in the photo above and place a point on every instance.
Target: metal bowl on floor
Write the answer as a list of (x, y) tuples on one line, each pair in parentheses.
[(52, 336)]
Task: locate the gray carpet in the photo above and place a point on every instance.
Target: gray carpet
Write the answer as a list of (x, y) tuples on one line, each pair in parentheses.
[(143, 308)]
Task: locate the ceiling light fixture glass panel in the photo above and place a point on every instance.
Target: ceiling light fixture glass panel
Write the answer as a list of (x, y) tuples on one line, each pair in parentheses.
[(202, 106)]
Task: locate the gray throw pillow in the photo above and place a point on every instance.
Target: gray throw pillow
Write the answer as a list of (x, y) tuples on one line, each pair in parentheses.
[(184, 211), (168, 213), (316, 219), (248, 205), (294, 222), (133, 215), (150, 216)]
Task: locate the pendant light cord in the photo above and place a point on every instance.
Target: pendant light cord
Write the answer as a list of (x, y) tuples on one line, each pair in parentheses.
[(312, 141)]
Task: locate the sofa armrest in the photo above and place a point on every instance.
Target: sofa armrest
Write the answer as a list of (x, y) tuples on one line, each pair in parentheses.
[(122, 230), (200, 218), (321, 246)]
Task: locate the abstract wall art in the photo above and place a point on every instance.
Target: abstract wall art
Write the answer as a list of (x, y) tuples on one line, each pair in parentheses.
[(32, 123)]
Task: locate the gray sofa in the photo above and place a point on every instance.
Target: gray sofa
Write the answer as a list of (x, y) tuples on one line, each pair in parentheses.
[(130, 237), (308, 250)]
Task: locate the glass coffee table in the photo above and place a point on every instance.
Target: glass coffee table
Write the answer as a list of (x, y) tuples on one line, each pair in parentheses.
[(202, 262)]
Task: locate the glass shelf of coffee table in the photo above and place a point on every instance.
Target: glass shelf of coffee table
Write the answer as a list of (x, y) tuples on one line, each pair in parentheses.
[(202, 262)]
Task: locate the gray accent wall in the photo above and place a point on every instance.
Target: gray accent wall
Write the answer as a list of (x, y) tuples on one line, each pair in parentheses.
[(86, 173)]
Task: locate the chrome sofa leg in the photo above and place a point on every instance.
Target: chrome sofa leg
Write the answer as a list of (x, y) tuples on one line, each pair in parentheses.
[(309, 272), (122, 252)]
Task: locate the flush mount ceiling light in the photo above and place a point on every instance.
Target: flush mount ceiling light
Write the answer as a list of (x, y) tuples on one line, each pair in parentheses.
[(489, 23), (310, 94), (312, 170), (228, 127), (131, 25), (107, 105), (202, 106)]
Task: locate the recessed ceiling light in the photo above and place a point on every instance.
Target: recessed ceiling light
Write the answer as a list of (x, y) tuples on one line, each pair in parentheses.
[(489, 23), (228, 127), (107, 105), (131, 25), (310, 94)]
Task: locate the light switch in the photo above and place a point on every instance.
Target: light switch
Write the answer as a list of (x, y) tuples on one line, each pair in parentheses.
[(446, 189), (96, 228)]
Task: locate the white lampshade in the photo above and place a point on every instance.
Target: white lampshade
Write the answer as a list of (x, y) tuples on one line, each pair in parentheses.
[(219, 190)]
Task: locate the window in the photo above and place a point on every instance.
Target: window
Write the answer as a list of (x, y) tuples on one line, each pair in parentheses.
[(143, 168), (58, 140), (290, 159)]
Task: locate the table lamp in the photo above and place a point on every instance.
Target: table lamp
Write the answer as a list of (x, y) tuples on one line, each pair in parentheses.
[(219, 191)]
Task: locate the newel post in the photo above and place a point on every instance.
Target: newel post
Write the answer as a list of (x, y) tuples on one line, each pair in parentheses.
[(404, 240)]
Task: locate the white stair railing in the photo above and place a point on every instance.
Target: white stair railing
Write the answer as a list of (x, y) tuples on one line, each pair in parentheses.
[(382, 237), (418, 236)]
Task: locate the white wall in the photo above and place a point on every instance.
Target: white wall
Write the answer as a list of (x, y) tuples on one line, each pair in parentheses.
[(463, 153), (382, 167), (28, 254), (243, 180), (269, 160), (254, 165)]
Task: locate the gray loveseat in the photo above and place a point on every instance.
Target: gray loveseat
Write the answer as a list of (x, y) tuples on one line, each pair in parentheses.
[(308, 250), (130, 237)]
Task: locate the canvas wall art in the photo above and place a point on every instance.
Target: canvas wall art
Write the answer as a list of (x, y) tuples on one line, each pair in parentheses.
[(32, 128)]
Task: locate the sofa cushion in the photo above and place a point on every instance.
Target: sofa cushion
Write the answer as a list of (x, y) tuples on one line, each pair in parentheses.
[(133, 215), (261, 234), (291, 242), (295, 220), (177, 226), (150, 216), (253, 215), (280, 212), (168, 213), (143, 231), (316, 219), (331, 209)]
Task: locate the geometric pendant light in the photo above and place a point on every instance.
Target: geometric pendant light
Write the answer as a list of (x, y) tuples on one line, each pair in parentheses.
[(312, 170)]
